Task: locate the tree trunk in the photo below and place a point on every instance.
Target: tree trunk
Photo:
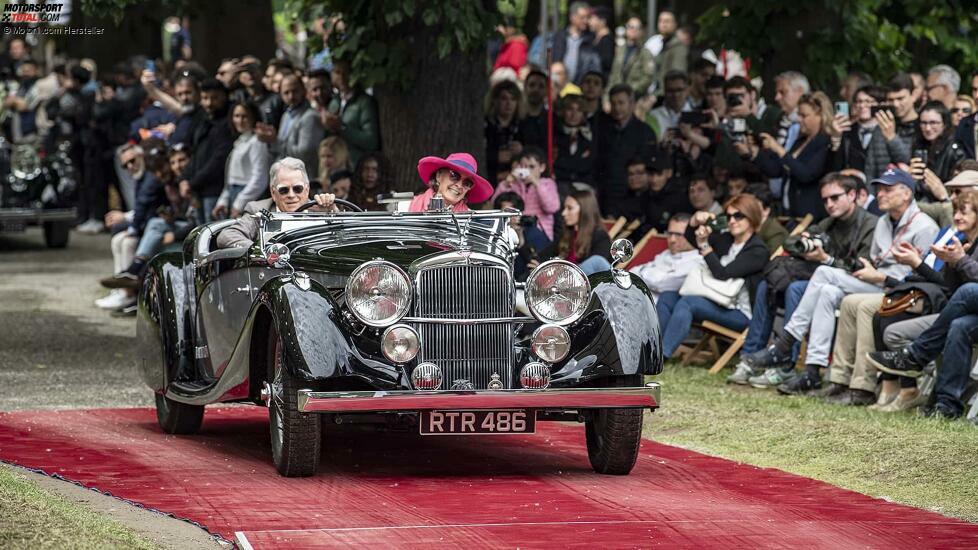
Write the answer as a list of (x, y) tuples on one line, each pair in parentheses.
[(138, 33), (231, 28), (440, 113)]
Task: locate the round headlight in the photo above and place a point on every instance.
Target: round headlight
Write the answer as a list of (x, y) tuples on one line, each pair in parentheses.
[(400, 343), (551, 343), (379, 293), (557, 292)]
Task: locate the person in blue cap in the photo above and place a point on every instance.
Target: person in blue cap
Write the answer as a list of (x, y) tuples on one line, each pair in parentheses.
[(815, 315)]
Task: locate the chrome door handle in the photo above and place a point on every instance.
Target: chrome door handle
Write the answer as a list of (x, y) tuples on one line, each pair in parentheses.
[(242, 289)]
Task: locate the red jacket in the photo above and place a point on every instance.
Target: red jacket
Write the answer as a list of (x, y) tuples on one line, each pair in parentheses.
[(513, 53)]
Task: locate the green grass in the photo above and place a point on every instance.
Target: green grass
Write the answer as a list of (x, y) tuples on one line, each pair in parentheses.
[(918, 461), (33, 518)]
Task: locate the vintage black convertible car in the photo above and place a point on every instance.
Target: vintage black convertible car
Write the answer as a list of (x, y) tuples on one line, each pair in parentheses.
[(398, 318), (37, 189)]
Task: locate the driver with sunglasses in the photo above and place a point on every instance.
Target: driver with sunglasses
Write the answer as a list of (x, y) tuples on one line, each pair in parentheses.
[(290, 190)]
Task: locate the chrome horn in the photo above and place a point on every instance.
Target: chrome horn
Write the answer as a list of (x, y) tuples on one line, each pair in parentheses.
[(622, 251)]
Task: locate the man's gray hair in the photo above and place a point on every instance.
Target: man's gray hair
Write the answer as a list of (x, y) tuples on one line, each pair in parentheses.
[(577, 6), (946, 76), (287, 163), (796, 80)]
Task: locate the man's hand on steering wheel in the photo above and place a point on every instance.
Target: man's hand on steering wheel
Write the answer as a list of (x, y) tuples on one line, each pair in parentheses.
[(327, 202)]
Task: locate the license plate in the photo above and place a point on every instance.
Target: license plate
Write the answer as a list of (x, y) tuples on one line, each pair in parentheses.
[(478, 422)]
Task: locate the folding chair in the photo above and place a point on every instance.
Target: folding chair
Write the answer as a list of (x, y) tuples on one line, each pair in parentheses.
[(628, 229), (713, 331), (647, 248), (617, 227)]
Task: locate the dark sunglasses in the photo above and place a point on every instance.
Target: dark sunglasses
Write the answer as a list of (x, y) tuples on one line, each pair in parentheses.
[(456, 177), (832, 198), (284, 189), (738, 216), (675, 234), (962, 110)]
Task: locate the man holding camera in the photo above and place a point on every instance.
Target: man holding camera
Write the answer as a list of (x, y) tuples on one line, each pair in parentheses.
[(744, 117), (859, 142), (837, 240), (815, 314), (675, 103)]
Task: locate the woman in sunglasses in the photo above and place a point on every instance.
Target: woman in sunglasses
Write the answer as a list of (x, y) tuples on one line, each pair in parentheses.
[(738, 253), (455, 178)]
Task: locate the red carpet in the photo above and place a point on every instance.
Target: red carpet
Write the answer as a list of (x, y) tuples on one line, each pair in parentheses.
[(399, 490)]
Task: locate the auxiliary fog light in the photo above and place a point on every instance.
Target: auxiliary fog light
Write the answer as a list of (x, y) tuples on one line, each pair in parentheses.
[(400, 343), (551, 343), (535, 376), (426, 376)]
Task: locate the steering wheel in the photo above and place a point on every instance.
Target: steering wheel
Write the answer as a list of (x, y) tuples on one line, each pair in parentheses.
[(338, 202)]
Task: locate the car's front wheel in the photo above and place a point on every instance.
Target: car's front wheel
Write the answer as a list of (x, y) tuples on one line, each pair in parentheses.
[(614, 435), (178, 418), (296, 436)]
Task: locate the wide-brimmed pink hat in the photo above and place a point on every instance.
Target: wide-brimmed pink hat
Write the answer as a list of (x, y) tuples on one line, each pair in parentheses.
[(464, 164)]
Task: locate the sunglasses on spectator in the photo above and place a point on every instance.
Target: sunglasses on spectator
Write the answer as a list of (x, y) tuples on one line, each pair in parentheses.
[(738, 216), (931, 122), (955, 191), (284, 189), (833, 198), (456, 177), (962, 110)]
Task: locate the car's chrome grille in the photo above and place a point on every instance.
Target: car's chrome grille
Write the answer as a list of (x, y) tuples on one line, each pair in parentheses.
[(472, 352)]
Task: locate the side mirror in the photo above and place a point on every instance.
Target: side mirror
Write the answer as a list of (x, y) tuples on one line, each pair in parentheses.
[(621, 251), (277, 255)]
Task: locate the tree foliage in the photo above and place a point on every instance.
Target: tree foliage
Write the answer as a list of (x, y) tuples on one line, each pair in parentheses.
[(383, 38), (879, 37)]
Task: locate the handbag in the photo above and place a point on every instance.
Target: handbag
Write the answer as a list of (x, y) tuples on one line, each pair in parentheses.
[(912, 301), (702, 283)]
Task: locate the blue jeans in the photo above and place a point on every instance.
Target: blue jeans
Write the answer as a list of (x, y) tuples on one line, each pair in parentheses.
[(695, 308), (594, 264), (152, 240), (207, 205), (664, 306), (762, 320), (953, 333)]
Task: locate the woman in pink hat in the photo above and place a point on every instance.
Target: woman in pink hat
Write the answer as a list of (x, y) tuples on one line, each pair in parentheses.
[(455, 178)]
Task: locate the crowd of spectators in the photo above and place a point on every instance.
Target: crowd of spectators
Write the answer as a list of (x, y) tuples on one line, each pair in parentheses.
[(645, 128), (649, 129)]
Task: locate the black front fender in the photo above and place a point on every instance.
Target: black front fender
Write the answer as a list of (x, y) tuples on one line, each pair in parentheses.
[(617, 335), (314, 339)]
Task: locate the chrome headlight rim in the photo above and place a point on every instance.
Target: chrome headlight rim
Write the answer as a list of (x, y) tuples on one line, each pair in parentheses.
[(536, 335), (576, 315), (403, 310), (397, 326)]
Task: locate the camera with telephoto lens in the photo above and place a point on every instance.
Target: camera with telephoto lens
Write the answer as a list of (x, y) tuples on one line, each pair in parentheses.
[(734, 128), (798, 245), (850, 264)]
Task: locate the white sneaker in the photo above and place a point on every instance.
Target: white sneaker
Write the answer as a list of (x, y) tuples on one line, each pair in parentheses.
[(90, 227), (117, 299)]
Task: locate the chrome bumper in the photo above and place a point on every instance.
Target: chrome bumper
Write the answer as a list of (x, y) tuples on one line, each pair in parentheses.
[(38, 214), (646, 397)]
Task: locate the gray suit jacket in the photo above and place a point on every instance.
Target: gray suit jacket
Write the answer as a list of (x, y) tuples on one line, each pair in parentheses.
[(302, 140), (244, 231)]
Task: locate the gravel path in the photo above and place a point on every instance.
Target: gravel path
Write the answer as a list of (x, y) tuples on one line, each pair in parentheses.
[(59, 351)]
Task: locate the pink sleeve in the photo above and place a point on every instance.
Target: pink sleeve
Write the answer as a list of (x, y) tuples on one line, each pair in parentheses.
[(546, 190), (501, 187)]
